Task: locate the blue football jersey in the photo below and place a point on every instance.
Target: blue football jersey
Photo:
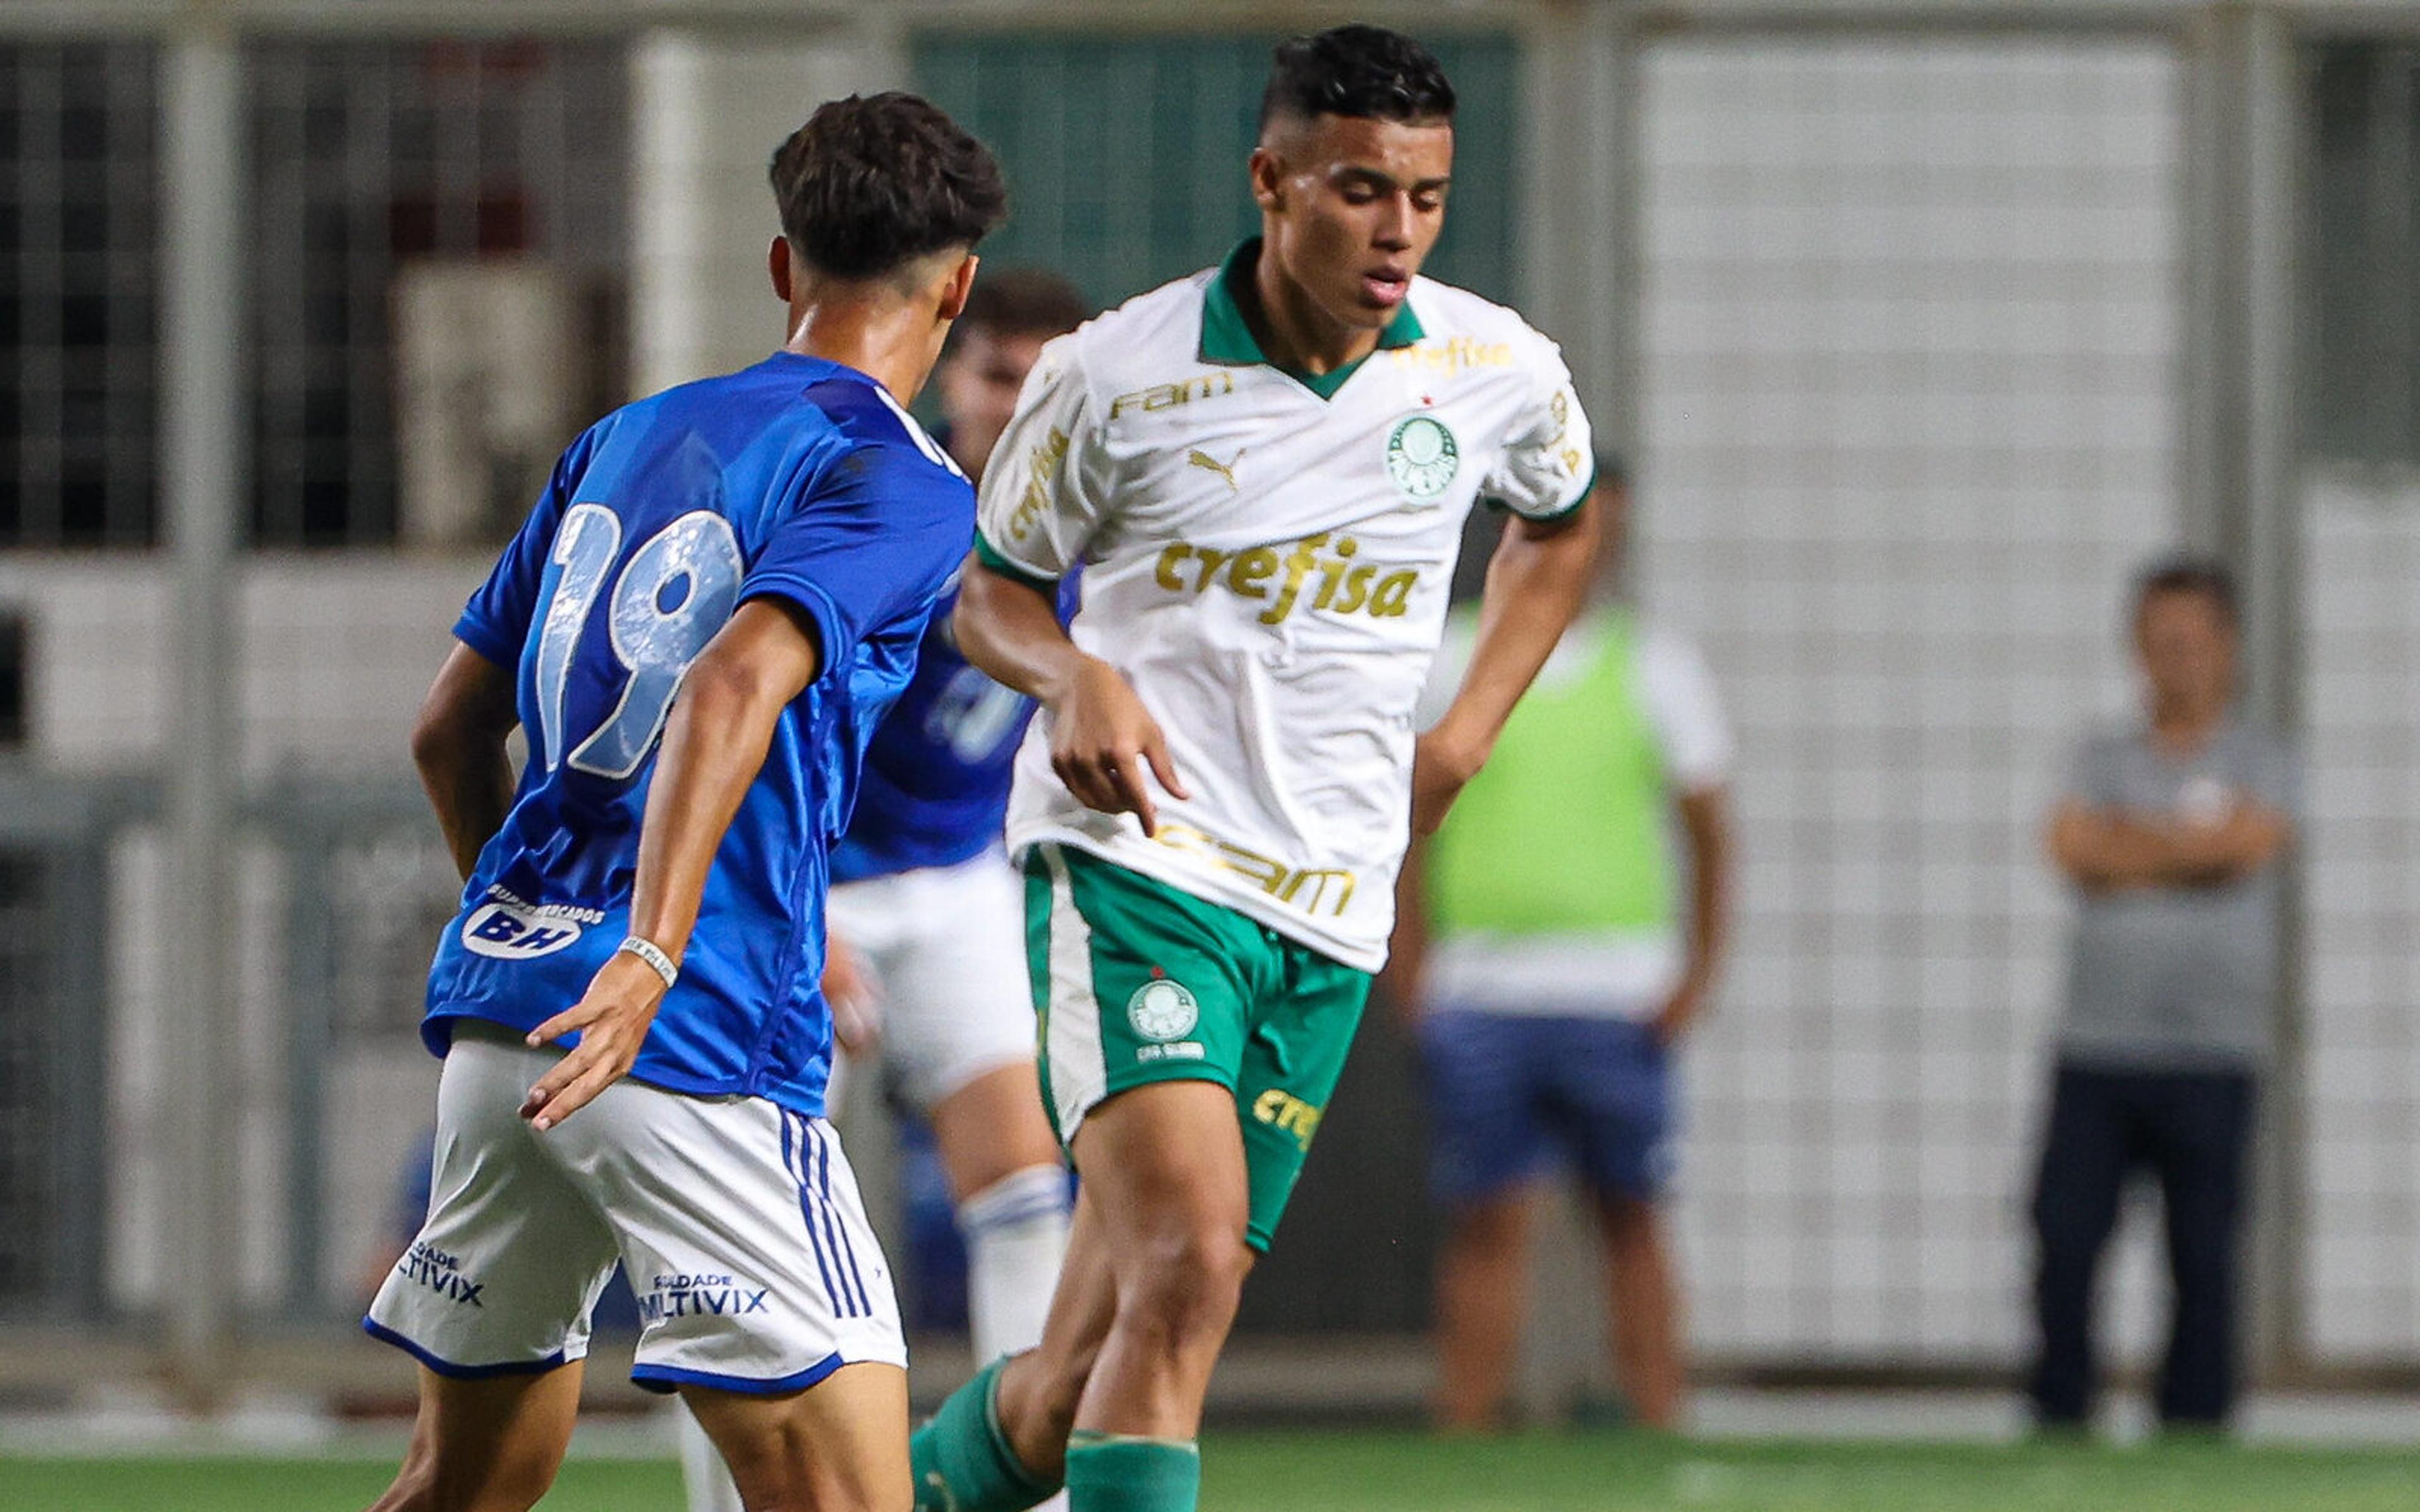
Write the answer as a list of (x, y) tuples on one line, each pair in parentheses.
[(796, 480), (935, 791)]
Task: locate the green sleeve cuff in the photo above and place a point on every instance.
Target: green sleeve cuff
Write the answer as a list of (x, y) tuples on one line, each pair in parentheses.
[(992, 560)]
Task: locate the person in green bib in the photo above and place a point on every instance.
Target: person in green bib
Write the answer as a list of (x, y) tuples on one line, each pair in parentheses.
[(1556, 939)]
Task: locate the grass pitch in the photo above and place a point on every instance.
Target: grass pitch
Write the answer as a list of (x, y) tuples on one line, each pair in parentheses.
[(1388, 1471)]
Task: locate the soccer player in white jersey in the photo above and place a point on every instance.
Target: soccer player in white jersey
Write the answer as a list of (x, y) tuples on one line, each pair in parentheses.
[(1262, 471), (699, 626)]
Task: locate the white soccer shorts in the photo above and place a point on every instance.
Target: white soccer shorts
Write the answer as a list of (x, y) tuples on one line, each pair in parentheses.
[(738, 1222), (945, 947)]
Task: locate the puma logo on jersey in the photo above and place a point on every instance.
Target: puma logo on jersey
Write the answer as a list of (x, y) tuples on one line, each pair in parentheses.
[(1336, 583), (1204, 460)]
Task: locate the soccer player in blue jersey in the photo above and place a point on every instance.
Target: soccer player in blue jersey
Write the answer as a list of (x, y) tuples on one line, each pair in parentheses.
[(927, 957), (717, 595)]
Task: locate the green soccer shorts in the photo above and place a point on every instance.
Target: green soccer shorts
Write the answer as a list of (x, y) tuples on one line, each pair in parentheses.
[(1136, 982)]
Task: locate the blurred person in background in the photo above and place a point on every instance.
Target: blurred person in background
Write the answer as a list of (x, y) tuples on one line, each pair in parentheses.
[(1555, 941), (2170, 833), (926, 968)]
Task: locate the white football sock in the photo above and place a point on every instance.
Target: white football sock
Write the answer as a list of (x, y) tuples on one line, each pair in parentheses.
[(1017, 1232), (708, 1480)]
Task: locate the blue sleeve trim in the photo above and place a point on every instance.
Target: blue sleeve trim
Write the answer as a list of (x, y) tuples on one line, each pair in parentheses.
[(810, 601), (483, 637), (464, 1372), (664, 1379)]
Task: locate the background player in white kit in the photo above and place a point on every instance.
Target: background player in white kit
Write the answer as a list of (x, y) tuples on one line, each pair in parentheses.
[(927, 917), (700, 624), (1262, 471)]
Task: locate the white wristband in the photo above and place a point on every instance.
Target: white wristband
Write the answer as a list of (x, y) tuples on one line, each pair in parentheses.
[(653, 954)]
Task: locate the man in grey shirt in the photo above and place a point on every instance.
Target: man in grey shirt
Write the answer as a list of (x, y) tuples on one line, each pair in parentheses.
[(2170, 834)]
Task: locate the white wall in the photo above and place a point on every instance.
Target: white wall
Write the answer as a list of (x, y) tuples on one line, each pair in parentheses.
[(1911, 326)]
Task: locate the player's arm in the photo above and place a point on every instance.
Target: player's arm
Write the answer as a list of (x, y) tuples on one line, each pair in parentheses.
[(1043, 496), (1101, 735), (1407, 950), (714, 744), (1706, 831), (458, 745), (1536, 582), (2103, 850)]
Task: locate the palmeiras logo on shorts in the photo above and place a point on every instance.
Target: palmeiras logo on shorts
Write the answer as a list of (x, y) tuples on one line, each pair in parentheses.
[(1422, 458), (1162, 1010)]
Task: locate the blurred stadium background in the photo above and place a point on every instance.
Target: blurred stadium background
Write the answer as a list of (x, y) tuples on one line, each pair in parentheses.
[(1923, 324)]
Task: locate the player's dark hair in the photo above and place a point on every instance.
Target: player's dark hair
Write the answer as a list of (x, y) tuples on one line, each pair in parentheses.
[(1024, 302), (2188, 575), (1357, 71), (1612, 468), (875, 181)]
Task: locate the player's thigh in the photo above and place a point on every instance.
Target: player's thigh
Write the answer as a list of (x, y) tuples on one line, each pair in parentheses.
[(1478, 1071), (957, 1006), (1163, 1164), (1613, 1106), (508, 1264), (745, 1239), (1302, 1026), (840, 1446), (1138, 984), (992, 1126)]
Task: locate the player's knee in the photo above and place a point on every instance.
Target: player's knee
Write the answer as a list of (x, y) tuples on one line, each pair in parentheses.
[(1183, 1286), (427, 1483)]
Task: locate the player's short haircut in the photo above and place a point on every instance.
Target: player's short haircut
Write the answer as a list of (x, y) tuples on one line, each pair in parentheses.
[(1024, 302), (1612, 468), (1357, 71), (875, 181), (2188, 575)]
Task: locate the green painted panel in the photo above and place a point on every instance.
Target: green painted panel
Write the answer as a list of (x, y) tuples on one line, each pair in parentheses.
[(1126, 155)]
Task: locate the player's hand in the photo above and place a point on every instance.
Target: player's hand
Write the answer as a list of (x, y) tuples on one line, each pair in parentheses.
[(611, 1018), (1678, 1012), (1101, 740), (1442, 765), (856, 1024)]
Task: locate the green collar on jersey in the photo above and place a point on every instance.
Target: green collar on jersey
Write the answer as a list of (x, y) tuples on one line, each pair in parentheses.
[(1225, 337)]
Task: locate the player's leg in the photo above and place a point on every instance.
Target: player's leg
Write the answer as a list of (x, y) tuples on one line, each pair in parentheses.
[(2085, 1151), (963, 1034), (1486, 1146), (1003, 1167), (764, 1298), (1644, 1308), (1000, 1443), (1143, 989), (485, 1445), (840, 1446), (1612, 1100), (2198, 1149), (493, 1296)]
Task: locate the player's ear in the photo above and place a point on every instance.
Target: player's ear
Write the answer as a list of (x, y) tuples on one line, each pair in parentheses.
[(1267, 173), (777, 262), (961, 285)]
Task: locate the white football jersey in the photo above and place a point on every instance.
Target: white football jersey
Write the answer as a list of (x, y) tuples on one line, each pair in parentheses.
[(1266, 557)]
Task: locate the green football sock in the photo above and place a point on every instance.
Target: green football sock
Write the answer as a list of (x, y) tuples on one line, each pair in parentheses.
[(1111, 1473), (962, 1460)]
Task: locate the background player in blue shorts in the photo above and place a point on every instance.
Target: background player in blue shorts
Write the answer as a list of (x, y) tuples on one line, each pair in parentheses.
[(719, 592), (1557, 988), (926, 948)]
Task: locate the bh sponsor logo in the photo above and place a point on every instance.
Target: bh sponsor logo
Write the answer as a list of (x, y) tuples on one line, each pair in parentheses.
[(515, 931), (426, 1265), (710, 1295)]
